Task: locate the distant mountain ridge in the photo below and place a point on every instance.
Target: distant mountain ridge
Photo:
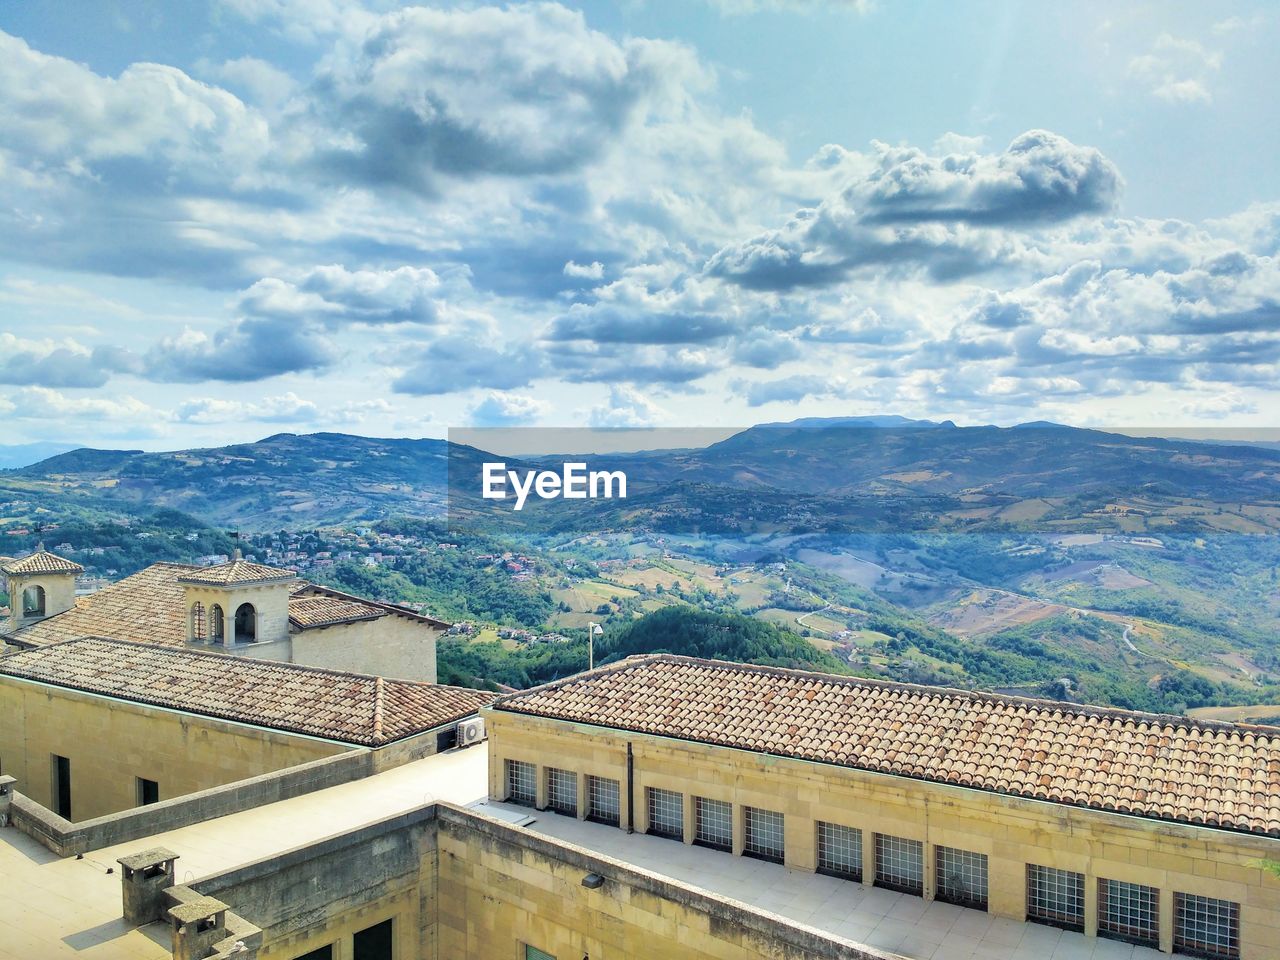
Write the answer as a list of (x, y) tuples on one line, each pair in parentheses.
[(330, 478)]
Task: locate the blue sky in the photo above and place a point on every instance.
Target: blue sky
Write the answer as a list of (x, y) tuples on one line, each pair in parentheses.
[(227, 218)]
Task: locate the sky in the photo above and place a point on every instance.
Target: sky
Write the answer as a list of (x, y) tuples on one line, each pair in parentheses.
[(224, 219)]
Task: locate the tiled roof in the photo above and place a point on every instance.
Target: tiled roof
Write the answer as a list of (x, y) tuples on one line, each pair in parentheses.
[(42, 561), (1161, 767), (148, 607), (349, 707), (235, 572), (315, 591), (320, 611)]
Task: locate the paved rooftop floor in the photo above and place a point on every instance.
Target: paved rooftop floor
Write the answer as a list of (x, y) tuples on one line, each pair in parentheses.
[(894, 922), (54, 908)]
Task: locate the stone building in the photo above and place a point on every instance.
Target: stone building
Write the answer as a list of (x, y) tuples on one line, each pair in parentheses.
[(239, 608), (687, 810)]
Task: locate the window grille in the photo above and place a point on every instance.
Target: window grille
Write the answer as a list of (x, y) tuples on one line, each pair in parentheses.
[(713, 823), (533, 953), (562, 791), (1129, 912), (762, 834), (602, 801), (962, 877), (900, 864), (1205, 926), (839, 851), (522, 783), (666, 813), (1055, 897)]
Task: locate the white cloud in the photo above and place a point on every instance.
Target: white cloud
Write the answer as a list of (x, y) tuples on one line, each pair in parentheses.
[(42, 403), (584, 271), (626, 408), (289, 408), (506, 410), (1176, 70)]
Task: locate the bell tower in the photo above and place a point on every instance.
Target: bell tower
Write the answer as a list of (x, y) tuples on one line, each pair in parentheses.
[(238, 603), (40, 586)]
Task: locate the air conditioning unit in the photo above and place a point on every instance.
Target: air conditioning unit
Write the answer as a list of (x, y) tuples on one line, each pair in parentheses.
[(470, 731)]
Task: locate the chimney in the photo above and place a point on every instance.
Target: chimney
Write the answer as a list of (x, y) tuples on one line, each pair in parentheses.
[(6, 797), (197, 925), (144, 877)]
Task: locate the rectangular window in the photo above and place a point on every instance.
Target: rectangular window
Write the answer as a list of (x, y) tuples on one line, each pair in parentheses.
[(533, 953), (900, 864), (602, 801), (148, 792), (562, 791), (319, 953), (713, 823), (962, 877), (1055, 897), (522, 783), (839, 851), (1129, 912), (762, 835), (62, 786), (666, 813), (1206, 927), (374, 943)]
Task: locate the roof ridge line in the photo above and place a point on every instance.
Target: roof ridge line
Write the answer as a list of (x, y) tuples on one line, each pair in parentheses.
[(378, 688)]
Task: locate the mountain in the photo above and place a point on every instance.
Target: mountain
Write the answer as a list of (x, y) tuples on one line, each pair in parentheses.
[(811, 473), (25, 454)]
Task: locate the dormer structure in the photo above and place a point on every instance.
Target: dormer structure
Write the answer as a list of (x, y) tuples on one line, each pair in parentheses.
[(40, 585), (238, 602)]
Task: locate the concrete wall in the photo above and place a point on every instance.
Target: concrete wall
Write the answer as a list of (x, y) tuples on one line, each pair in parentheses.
[(1011, 832), (111, 743), (389, 646)]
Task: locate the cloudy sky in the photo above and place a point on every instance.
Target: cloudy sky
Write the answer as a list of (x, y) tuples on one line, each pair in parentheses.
[(222, 219)]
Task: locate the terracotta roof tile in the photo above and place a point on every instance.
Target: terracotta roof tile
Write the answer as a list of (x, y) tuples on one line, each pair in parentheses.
[(236, 571), (1151, 766), (42, 561), (307, 612), (349, 707)]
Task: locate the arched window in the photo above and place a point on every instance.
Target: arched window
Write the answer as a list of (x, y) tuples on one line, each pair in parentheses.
[(217, 624), (246, 623), (33, 602), (197, 621)]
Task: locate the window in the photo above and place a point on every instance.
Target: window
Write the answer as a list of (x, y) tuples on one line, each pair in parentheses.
[(319, 953), (962, 877), (1129, 912), (1206, 927), (148, 792), (522, 783), (839, 851), (713, 823), (217, 624), (602, 801), (900, 864), (666, 813), (33, 602), (562, 791), (62, 786), (533, 953), (197, 621), (374, 943), (246, 624), (762, 834), (1055, 897)]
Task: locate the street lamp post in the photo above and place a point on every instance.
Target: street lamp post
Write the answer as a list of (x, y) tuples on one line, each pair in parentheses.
[(593, 630)]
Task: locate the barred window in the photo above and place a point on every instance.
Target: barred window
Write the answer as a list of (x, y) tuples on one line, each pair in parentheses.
[(713, 823), (522, 783), (533, 953), (1129, 912), (602, 801), (962, 877), (1205, 926), (1055, 897), (666, 813), (562, 791), (900, 864), (762, 834), (839, 851)]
